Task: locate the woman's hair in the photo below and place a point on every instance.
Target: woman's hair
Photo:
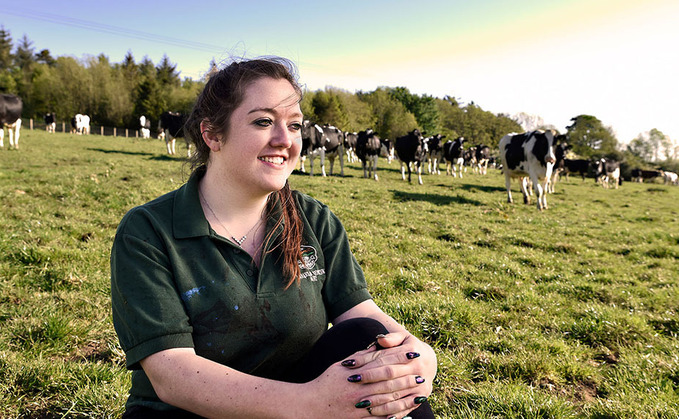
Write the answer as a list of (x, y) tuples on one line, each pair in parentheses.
[(223, 93)]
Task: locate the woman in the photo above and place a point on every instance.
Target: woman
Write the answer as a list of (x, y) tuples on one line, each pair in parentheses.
[(223, 290)]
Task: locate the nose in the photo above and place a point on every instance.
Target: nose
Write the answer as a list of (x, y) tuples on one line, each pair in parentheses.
[(282, 137)]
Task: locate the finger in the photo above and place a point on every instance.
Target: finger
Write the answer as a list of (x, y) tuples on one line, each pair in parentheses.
[(399, 408), (392, 339)]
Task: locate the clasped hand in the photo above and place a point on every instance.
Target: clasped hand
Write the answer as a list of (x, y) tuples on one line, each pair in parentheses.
[(387, 382)]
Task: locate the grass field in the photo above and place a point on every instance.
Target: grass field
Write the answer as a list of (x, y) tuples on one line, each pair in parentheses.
[(570, 312)]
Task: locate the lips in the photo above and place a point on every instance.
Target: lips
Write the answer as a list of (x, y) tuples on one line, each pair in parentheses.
[(273, 160)]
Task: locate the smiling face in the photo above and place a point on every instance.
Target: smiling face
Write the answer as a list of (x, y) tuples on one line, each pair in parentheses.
[(264, 138)]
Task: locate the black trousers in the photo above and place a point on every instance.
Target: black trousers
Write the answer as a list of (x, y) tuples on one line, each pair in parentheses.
[(336, 344)]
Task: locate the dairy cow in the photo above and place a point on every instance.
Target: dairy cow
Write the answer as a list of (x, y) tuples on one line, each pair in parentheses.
[(368, 147), (145, 127), (171, 127), (334, 146), (80, 124), (639, 175), (50, 122), (313, 145), (350, 146), (482, 155), (411, 148), (10, 117), (453, 154), (605, 171), (528, 156)]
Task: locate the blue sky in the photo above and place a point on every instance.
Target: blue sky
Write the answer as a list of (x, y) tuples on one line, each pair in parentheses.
[(615, 59)]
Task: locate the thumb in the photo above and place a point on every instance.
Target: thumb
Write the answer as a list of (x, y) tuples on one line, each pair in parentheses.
[(391, 340)]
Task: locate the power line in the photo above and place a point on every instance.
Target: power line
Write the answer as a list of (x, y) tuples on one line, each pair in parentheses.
[(114, 30)]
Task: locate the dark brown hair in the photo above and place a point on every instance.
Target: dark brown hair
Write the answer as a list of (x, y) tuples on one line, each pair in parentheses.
[(223, 93)]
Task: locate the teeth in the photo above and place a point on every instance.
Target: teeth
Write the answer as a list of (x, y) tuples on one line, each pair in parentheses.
[(274, 160)]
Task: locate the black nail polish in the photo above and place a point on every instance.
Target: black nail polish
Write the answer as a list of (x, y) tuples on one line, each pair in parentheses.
[(348, 363), (412, 355), (419, 380), (362, 404), (420, 400), (354, 378)]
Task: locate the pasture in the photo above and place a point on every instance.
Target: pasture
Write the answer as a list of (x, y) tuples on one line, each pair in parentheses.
[(569, 312)]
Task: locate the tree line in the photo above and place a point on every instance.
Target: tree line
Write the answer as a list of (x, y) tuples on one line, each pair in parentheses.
[(116, 94)]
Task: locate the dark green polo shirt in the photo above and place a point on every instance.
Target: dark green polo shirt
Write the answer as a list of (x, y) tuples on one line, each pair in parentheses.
[(176, 283)]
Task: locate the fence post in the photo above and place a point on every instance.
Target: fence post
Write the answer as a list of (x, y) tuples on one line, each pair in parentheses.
[(101, 130), (30, 124), (63, 126), (115, 131), (125, 132)]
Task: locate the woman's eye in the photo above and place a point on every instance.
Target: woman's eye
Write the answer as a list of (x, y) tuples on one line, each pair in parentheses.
[(265, 122), (296, 127)]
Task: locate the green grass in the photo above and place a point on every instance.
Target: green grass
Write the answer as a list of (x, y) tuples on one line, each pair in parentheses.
[(569, 312)]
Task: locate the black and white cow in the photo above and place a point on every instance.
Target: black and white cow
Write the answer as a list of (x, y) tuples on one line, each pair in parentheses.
[(368, 147), (639, 175), (435, 153), (469, 156), (387, 150), (607, 171), (334, 146), (145, 127), (313, 145), (80, 124), (50, 122), (350, 146), (10, 117), (528, 156), (171, 127), (411, 148), (579, 166), (482, 155), (453, 155), (560, 151), (670, 178)]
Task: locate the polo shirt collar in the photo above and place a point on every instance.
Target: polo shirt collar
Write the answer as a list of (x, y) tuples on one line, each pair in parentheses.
[(188, 219)]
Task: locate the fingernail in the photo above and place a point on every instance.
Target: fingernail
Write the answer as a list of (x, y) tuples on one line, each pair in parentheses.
[(419, 380), (420, 400), (362, 404), (380, 336), (412, 355), (354, 378), (349, 363)]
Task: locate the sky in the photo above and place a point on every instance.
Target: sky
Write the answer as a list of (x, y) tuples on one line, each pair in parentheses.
[(617, 60)]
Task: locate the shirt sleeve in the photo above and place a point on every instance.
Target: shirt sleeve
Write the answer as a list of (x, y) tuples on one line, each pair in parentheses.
[(345, 285), (148, 314)]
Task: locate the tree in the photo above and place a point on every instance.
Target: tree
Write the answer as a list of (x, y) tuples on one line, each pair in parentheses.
[(5, 49), (590, 138), (392, 119), (44, 57), (422, 107), (167, 73)]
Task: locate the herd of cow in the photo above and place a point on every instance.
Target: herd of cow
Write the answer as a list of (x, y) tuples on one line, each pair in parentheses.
[(536, 158)]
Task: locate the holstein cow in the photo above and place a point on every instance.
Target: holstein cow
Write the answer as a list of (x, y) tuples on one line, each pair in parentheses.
[(670, 178), (482, 155), (528, 156), (560, 151), (145, 127), (605, 171), (10, 117), (350, 146), (411, 148), (640, 175), (313, 145), (435, 146), (453, 155), (171, 124), (368, 147), (580, 166), (387, 149), (334, 146), (50, 122), (80, 124)]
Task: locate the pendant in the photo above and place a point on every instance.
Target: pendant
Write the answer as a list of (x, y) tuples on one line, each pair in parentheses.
[(240, 242)]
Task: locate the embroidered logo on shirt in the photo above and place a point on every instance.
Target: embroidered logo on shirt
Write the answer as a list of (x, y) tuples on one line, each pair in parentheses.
[(308, 263)]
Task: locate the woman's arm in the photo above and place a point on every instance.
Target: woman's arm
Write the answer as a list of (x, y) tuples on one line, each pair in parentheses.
[(190, 382)]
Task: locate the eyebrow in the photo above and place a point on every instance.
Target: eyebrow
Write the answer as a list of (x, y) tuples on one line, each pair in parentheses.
[(270, 110)]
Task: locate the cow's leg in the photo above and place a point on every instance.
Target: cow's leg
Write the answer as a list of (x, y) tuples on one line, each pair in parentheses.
[(311, 164), (403, 171), (508, 186), (374, 167), (419, 173), (540, 193), (364, 163), (341, 161), (302, 159), (2, 136), (448, 168), (16, 128), (323, 163), (525, 190), (188, 148)]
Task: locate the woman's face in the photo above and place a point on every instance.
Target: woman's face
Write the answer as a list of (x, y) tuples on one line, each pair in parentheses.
[(264, 139)]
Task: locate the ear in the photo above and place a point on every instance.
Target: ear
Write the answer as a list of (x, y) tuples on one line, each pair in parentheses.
[(213, 141)]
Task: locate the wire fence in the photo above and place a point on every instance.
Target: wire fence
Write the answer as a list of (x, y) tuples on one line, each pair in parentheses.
[(64, 126)]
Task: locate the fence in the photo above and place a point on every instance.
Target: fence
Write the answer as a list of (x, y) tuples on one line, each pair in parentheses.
[(64, 126)]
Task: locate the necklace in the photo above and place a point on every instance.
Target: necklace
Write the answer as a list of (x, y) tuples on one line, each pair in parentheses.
[(240, 241)]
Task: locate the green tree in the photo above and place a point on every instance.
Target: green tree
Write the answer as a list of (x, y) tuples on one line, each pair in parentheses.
[(6, 60), (44, 57), (590, 138), (422, 107), (392, 119), (167, 73)]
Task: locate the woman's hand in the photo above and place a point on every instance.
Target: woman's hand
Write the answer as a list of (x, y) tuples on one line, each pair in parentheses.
[(399, 375)]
